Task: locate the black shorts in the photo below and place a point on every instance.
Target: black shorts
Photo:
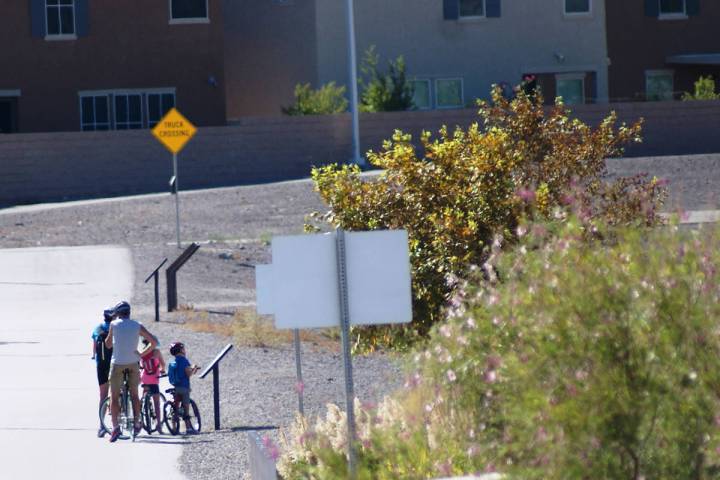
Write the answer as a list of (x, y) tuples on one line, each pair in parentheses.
[(103, 373), (152, 389)]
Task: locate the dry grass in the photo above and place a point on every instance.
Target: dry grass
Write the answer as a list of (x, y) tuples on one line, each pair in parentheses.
[(249, 329)]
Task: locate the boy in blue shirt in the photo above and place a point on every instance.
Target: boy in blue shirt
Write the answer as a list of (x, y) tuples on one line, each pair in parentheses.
[(179, 372)]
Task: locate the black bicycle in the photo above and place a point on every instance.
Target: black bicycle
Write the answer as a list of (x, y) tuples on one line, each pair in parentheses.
[(175, 413), (151, 419), (126, 416)]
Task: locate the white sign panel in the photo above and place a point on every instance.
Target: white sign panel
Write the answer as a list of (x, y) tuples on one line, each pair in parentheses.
[(263, 289), (301, 286), (378, 270), (305, 286)]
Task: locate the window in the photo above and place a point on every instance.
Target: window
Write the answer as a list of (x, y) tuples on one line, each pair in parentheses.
[(60, 15), (128, 112), (188, 11), (95, 114), (571, 87), (421, 94), (577, 7), (449, 92), (124, 109), (158, 104), (672, 7), (472, 8), (659, 85)]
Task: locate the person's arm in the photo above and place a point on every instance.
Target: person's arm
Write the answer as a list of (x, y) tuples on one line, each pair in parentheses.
[(94, 349), (190, 370), (109, 339), (159, 356), (152, 343)]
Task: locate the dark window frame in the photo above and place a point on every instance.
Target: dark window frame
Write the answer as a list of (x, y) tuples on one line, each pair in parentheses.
[(188, 19), (60, 6)]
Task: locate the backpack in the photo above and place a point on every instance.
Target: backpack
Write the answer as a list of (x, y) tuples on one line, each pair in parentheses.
[(104, 354), (172, 373), (150, 364)]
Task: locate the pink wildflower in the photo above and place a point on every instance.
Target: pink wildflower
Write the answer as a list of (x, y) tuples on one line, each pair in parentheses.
[(451, 375)]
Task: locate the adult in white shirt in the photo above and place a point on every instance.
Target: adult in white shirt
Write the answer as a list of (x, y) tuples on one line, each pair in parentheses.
[(123, 337)]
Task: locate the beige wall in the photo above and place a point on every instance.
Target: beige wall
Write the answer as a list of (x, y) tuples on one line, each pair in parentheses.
[(55, 166), (269, 47)]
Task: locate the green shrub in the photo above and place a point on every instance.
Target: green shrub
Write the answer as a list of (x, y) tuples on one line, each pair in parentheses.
[(327, 100), (704, 90), (471, 184), (588, 360), (384, 92)]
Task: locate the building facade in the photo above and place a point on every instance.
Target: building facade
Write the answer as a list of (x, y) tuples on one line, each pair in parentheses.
[(659, 48), (454, 49), (107, 65)]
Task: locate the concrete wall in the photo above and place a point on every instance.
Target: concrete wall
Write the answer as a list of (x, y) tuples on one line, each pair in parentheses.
[(129, 45), (55, 166), (493, 50)]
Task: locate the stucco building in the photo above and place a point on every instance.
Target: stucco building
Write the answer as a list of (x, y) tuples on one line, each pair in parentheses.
[(659, 48), (454, 49), (106, 65)]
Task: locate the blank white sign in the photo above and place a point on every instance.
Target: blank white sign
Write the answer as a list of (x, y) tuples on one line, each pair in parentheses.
[(304, 289), (301, 286)]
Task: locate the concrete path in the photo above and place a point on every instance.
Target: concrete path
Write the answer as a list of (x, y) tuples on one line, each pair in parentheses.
[(50, 300)]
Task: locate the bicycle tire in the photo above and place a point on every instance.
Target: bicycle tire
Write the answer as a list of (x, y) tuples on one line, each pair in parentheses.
[(126, 419), (150, 418), (172, 421), (195, 419), (146, 413), (104, 413)]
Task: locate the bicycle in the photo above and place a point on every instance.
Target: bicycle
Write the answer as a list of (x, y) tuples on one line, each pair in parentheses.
[(148, 414), (126, 417), (174, 414)]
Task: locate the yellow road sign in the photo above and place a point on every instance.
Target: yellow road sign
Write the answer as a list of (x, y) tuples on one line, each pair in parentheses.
[(174, 131)]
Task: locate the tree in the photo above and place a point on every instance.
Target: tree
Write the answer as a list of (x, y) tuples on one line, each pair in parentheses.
[(384, 92), (327, 100), (704, 90), (470, 185)]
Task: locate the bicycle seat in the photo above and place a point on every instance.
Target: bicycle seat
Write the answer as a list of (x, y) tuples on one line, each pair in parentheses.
[(170, 390)]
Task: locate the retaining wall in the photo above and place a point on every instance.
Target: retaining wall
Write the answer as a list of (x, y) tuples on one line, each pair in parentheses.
[(44, 167)]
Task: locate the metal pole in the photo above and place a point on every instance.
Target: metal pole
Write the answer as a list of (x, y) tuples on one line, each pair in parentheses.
[(177, 199), (356, 158), (216, 395), (347, 358), (157, 296), (298, 368)]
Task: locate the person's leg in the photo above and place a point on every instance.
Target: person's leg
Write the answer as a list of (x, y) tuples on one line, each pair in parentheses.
[(158, 414), (115, 386), (133, 384), (103, 395)]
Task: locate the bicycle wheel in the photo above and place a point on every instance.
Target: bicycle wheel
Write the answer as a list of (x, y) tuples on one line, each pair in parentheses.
[(148, 413), (195, 416), (126, 419), (105, 418), (172, 421)]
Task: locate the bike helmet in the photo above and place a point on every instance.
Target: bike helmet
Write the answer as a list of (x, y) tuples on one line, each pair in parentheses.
[(175, 348), (108, 313), (122, 309)]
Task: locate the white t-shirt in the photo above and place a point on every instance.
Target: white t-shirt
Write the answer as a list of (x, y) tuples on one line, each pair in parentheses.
[(126, 333)]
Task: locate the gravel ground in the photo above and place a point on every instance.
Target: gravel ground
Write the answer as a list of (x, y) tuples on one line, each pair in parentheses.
[(233, 226)]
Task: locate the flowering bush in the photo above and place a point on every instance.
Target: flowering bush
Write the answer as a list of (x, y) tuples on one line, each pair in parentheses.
[(465, 187), (589, 360)]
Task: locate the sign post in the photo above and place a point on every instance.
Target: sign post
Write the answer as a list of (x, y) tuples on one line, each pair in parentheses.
[(342, 279), (174, 131)]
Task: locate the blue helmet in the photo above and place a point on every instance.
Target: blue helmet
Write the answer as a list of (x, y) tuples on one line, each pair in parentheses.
[(122, 309), (109, 313)]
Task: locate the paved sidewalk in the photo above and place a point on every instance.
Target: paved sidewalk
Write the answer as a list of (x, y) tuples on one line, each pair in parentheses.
[(51, 298)]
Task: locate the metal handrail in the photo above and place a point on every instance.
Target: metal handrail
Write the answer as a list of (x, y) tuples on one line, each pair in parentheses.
[(170, 274), (155, 274)]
